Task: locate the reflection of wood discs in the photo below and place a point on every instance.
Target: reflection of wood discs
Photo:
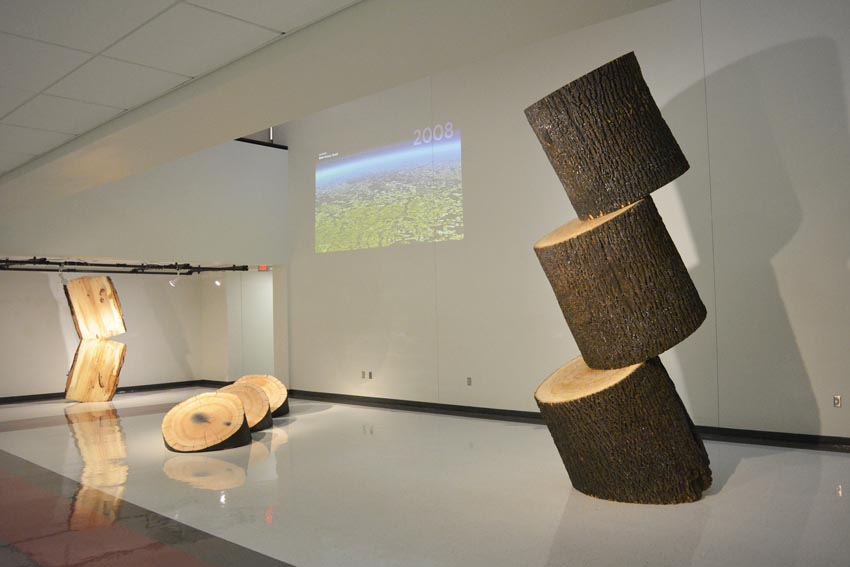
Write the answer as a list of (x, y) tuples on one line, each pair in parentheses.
[(206, 422), (256, 404), (275, 390), (205, 473), (96, 428), (624, 434)]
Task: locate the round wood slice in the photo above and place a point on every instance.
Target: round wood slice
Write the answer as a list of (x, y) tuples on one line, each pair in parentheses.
[(624, 434), (256, 404), (206, 422), (606, 138), (622, 286), (275, 390), (204, 472)]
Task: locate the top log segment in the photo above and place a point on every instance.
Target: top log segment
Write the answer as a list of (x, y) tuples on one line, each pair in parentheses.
[(606, 138), (95, 307)]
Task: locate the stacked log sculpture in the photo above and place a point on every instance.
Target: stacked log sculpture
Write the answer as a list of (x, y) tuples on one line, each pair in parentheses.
[(621, 429), (97, 315), (225, 418)]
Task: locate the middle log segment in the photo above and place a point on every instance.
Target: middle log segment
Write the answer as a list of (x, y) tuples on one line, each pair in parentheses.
[(622, 286)]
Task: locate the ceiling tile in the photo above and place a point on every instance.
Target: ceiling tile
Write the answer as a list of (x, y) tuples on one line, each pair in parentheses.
[(60, 115), (32, 65), (90, 25), (29, 141), (282, 16), (190, 41), (10, 98), (11, 160), (116, 83)]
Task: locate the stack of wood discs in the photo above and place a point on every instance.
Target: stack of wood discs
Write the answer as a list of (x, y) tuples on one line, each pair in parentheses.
[(97, 315), (214, 420), (620, 427)]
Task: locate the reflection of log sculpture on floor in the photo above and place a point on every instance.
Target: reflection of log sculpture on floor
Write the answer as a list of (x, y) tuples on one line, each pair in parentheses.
[(100, 441), (614, 414), (275, 390), (97, 316), (206, 422)]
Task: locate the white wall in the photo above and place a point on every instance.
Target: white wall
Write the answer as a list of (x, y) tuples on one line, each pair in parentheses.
[(760, 114), (38, 340), (222, 205)]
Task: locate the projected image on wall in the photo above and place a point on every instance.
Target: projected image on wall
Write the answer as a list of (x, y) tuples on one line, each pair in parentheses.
[(395, 194)]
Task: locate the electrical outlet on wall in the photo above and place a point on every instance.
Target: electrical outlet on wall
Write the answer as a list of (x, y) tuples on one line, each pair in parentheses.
[(362, 374), (370, 375), (469, 380), (836, 401)]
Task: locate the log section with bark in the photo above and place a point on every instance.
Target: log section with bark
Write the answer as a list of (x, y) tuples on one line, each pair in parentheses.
[(622, 286), (606, 138), (624, 434)]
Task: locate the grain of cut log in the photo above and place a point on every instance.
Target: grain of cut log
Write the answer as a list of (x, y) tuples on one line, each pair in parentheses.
[(256, 404), (206, 473), (207, 422), (624, 434), (94, 371), (622, 286), (606, 138), (275, 390), (95, 307)]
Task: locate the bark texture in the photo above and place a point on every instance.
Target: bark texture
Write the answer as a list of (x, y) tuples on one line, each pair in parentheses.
[(606, 138), (629, 442), (207, 422), (282, 410), (622, 286)]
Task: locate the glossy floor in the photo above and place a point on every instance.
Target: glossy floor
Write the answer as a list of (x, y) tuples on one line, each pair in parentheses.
[(340, 485)]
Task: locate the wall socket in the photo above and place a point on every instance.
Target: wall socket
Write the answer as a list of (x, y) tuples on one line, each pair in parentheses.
[(836, 401), (370, 375), (469, 380), (362, 374)]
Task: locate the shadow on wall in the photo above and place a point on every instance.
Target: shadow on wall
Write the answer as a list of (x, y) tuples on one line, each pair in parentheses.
[(779, 141)]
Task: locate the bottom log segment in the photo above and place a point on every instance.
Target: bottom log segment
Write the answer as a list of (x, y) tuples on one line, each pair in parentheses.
[(206, 422), (94, 372), (624, 434)]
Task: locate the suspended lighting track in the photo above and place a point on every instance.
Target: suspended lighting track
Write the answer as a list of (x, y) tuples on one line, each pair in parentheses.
[(49, 265)]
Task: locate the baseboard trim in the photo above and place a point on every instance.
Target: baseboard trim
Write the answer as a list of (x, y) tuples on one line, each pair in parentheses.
[(725, 434), (428, 407)]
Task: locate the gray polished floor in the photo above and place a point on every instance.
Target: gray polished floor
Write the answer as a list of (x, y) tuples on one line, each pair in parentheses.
[(339, 485)]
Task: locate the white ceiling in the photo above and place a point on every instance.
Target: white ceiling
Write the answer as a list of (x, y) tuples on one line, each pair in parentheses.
[(67, 66)]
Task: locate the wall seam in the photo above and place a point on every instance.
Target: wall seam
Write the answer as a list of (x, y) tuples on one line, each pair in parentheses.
[(710, 214)]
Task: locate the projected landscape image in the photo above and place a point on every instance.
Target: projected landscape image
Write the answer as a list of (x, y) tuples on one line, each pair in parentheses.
[(408, 192)]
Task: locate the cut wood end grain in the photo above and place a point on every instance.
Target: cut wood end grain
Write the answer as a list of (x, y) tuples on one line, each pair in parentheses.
[(206, 422)]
